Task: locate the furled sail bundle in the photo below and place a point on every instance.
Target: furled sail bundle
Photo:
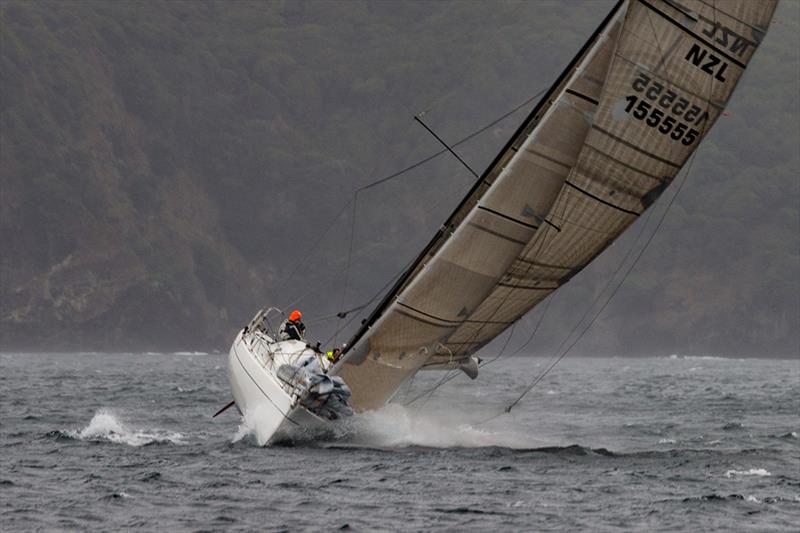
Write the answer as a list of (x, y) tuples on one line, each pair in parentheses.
[(594, 154)]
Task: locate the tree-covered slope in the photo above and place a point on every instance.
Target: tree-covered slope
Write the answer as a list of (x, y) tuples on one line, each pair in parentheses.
[(168, 168)]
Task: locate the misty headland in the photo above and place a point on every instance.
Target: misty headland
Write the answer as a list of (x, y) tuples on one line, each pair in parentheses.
[(169, 168)]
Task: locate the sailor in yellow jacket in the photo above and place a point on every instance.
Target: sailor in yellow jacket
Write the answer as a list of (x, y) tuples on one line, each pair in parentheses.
[(334, 355)]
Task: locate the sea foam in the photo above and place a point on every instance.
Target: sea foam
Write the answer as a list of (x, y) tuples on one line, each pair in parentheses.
[(702, 358), (254, 427), (399, 426), (106, 426), (751, 472)]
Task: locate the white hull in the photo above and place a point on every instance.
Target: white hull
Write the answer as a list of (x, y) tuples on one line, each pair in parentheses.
[(261, 396)]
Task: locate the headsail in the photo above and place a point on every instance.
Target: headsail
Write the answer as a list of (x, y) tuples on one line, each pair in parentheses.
[(598, 150)]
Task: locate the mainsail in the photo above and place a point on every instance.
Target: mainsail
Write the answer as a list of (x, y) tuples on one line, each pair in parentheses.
[(595, 153)]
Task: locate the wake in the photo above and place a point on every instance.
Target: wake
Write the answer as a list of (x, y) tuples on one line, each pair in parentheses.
[(396, 426)]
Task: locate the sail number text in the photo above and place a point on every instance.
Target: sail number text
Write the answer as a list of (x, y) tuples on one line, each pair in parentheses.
[(669, 100), (671, 106), (653, 118)]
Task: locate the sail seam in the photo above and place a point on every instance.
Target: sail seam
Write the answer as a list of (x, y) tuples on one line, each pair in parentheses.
[(693, 34), (467, 321), (582, 96), (624, 164), (543, 265), (634, 147), (496, 233), (525, 287), (604, 202), (512, 219), (419, 319), (676, 5), (582, 226), (548, 158)]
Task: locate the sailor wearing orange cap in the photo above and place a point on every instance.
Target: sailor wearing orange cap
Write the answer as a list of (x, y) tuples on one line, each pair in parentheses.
[(294, 327)]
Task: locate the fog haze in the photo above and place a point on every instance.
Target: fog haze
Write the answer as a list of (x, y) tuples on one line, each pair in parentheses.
[(168, 168)]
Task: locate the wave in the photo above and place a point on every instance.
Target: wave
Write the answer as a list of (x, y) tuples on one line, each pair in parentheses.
[(714, 497), (750, 498), (254, 429), (393, 428), (733, 426), (396, 426), (105, 426), (247, 432), (702, 358), (751, 472), (572, 450), (189, 390), (257, 430), (469, 510), (116, 496)]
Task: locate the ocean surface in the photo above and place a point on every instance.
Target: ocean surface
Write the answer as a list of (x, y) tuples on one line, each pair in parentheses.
[(126, 441)]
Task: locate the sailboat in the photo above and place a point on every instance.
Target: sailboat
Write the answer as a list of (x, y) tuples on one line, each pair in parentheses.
[(594, 154)]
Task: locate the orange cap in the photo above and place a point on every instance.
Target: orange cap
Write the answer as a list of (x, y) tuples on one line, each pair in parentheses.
[(295, 316)]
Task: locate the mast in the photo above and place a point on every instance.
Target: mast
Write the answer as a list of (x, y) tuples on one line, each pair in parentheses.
[(448, 226), (611, 134)]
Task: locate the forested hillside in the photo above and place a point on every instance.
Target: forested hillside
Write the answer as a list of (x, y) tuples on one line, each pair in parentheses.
[(169, 167)]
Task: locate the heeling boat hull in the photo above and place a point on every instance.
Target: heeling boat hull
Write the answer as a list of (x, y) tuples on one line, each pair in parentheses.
[(275, 415)]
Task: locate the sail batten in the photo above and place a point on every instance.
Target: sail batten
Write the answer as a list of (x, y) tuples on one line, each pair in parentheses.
[(594, 154)]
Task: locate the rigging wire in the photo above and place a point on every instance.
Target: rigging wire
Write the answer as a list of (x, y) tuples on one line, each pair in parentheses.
[(535, 249), (450, 374), (495, 358), (457, 143), (627, 272), (308, 255), (415, 165), (338, 314), (299, 265), (533, 333), (614, 291), (566, 211), (375, 296), (349, 257), (454, 372)]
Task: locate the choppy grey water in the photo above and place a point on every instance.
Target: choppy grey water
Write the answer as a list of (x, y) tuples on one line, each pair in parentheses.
[(110, 442)]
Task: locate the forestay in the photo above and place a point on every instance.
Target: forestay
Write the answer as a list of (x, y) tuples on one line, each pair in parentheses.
[(598, 150)]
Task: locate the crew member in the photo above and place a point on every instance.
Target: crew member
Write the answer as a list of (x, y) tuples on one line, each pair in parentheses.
[(334, 355), (293, 329)]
